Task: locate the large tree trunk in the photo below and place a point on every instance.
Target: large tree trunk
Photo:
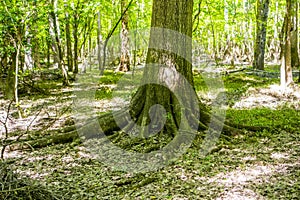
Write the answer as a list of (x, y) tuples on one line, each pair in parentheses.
[(124, 65), (261, 26), (167, 82), (172, 52)]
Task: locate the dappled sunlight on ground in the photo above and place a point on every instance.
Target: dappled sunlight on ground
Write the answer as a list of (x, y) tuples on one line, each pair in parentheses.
[(271, 97), (239, 193), (114, 104), (235, 183)]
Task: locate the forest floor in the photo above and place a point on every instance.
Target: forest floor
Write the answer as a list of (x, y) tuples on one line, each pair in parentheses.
[(260, 165)]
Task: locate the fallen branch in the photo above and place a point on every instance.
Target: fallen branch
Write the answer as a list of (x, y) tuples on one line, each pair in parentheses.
[(234, 71)]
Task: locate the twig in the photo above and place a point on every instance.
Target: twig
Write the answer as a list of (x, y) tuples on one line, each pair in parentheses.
[(197, 16), (6, 131), (27, 128)]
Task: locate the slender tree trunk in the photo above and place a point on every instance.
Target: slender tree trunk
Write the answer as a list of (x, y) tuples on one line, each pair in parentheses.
[(124, 59), (18, 48), (276, 40), (99, 43), (75, 36), (247, 33), (294, 34), (68, 40), (54, 25), (13, 76), (298, 45), (48, 52), (10, 79), (90, 53), (261, 26), (53, 38), (135, 42), (286, 66), (36, 42), (28, 60), (214, 45), (228, 51)]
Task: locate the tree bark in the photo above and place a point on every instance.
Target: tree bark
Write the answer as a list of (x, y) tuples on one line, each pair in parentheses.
[(261, 26), (16, 80), (55, 33), (90, 53), (124, 58), (286, 66), (36, 43), (68, 40), (294, 34), (28, 60), (99, 42), (75, 36), (172, 53)]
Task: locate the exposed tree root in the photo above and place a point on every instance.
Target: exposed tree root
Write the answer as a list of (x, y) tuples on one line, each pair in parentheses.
[(56, 138), (112, 130)]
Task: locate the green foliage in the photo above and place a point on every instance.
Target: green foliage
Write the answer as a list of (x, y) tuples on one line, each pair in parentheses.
[(110, 77), (103, 93)]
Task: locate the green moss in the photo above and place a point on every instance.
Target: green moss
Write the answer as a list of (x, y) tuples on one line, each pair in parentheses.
[(285, 118), (103, 93)]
